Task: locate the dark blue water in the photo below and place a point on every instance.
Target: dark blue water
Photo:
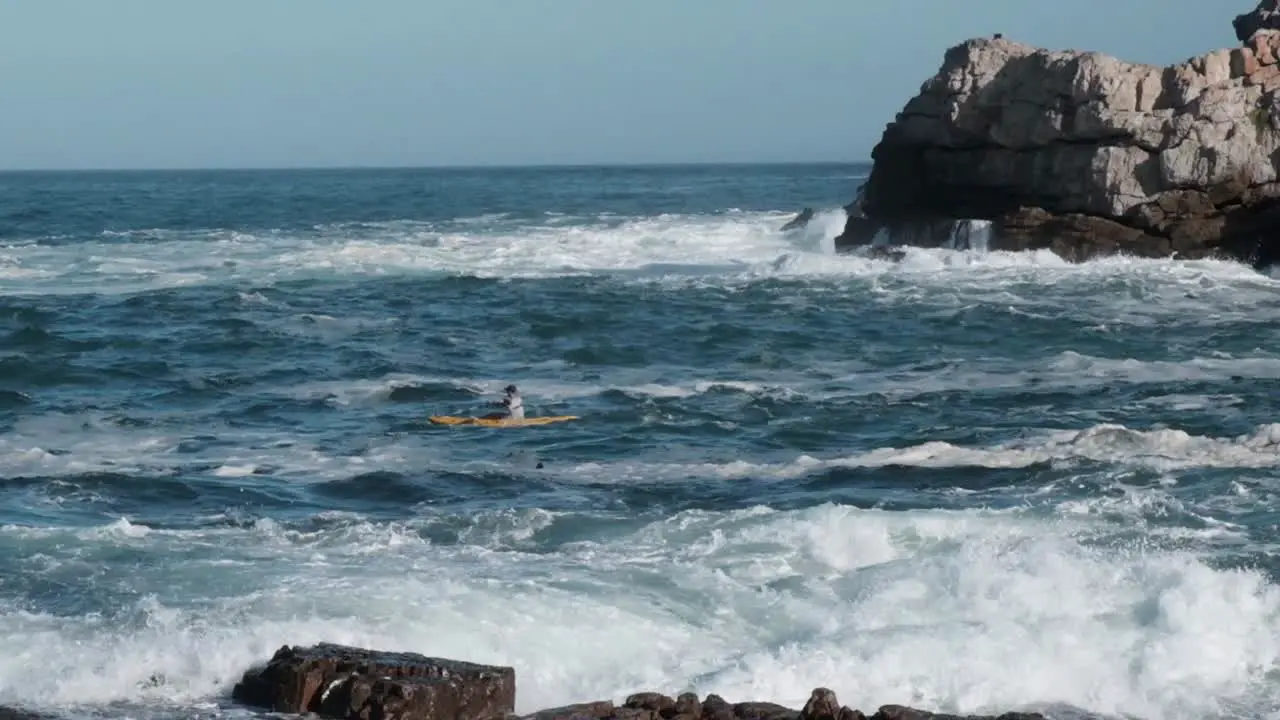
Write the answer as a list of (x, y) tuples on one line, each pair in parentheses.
[(967, 481)]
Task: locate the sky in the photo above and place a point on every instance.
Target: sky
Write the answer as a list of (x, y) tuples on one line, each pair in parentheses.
[(330, 83)]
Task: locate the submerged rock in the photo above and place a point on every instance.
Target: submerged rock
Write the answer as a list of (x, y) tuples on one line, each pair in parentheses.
[(800, 220), (10, 713), (337, 681), (1084, 154)]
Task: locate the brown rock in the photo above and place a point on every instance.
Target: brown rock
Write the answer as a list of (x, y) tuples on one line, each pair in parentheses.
[(763, 711), (626, 713), (598, 710), (1268, 78), (899, 712), (344, 682), (822, 705), (1073, 236), (715, 707), (688, 706), (1243, 62), (1264, 46), (656, 702)]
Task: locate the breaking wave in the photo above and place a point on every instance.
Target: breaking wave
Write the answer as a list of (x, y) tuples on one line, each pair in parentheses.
[(961, 611), (733, 245)]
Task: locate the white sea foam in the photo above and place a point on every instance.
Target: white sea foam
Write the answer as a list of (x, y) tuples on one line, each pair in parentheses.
[(710, 243), (1160, 449), (961, 611), (835, 381), (59, 445), (731, 247), (365, 392)]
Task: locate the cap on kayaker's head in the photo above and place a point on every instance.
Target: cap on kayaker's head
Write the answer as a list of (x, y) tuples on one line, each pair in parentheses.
[(510, 390)]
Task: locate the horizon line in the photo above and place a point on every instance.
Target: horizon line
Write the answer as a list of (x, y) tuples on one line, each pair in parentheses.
[(445, 166)]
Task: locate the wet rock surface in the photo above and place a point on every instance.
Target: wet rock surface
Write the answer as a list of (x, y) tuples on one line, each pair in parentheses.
[(336, 681), (10, 713)]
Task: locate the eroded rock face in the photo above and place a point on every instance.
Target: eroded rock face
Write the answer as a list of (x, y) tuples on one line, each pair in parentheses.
[(337, 681), (1265, 17), (1086, 154)]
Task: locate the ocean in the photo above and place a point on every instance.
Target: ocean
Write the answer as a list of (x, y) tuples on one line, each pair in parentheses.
[(966, 481)]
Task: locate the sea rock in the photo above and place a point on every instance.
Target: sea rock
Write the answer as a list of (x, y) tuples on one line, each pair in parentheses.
[(655, 706), (1265, 17), (1085, 154), (579, 711), (763, 711), (657, 702), (822, 705), (799, 221), (11, 713), (338, 681), (899, 712)]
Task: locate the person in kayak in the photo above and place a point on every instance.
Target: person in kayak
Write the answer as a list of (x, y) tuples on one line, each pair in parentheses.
[(512, 402)]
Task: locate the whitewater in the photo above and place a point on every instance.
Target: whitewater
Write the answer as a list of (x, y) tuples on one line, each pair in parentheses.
[(969, 481)]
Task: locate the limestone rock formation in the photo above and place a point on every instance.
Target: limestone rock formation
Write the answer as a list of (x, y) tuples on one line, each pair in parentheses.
[(1085, 154), (337, 681)]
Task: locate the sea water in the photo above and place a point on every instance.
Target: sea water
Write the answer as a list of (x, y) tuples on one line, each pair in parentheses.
[(969, 481)]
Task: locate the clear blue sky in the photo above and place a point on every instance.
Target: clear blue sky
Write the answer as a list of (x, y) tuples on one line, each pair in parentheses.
[(281, 83)]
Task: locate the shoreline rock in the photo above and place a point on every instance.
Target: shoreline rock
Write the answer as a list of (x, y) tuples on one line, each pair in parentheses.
[(1086, 155), (799, 220), (340, 681), (11, 713), (349, 683)]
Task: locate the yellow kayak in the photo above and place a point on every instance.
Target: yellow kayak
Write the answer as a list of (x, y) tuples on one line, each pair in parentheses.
[(489, 422)]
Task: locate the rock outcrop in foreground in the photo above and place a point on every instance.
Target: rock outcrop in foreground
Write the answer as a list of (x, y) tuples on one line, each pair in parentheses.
[(344, 682), (1086, 155), (337, 681)]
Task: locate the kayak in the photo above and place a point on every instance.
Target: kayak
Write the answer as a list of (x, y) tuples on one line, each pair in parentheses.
[(500, 422)]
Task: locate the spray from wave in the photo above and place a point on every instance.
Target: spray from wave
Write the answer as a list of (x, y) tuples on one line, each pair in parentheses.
[(732, 245), (961, 611)]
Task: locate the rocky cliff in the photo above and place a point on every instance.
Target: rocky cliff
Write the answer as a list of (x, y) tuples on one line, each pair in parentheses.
[(1086, 154)]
